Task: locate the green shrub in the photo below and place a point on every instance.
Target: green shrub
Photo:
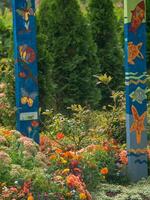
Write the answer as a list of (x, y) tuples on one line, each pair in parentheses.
[(67, 56), (103, 24), (7, 92)]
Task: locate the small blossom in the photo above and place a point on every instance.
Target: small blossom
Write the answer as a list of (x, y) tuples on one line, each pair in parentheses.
[(30, 197), (53, 157), (82, 196), (104, 171), (60, 136), (123, 157), (35, 123), (65, 171), (58, 151)]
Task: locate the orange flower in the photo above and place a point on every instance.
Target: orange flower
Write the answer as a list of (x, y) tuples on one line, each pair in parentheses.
[(104, 171), (59, 151), (30, 197), (68, 155), (7, 133), (52, 157), (60, 136)]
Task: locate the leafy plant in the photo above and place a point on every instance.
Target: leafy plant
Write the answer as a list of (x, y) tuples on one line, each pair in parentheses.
[(68, 57), (110, 53)]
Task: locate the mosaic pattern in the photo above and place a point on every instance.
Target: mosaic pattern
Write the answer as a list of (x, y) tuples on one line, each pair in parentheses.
[(134, 52), (138, 124), (26, 68), (135, 81), (138, 95)]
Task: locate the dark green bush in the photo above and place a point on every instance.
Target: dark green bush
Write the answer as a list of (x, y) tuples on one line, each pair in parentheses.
[(103, 23), (67, 56)]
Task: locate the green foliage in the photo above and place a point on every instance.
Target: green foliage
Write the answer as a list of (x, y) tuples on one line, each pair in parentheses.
[(103, 23), (93, 163), (7, 92), (139, 191), (5, 33), (67, 55)]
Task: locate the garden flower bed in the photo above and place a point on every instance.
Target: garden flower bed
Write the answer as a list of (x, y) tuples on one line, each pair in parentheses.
[(31, 171)]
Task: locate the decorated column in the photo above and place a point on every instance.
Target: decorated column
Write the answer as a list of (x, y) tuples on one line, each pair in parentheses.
[(26, 67), (135, 80)]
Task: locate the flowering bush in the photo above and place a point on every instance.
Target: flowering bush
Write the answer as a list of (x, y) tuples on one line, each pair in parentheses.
[(28, 170), (73, 158)]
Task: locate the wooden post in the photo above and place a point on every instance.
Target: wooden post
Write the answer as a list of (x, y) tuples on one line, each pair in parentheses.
[(135, 80), (26, 68)]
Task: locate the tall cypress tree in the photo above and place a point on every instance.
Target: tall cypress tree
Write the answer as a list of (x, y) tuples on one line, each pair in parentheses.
[(67, 56), (103, 23)]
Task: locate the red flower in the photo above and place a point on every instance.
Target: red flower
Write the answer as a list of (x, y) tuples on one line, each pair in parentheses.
[(74, 163), (60, 136), (26, 187), (35, 123)]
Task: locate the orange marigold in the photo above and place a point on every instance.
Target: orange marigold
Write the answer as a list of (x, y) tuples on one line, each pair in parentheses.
[(60, 136), (30, 197), (59, 151), (104, 171), (52, 157)]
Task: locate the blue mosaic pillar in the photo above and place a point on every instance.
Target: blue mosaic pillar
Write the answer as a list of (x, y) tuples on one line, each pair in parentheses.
[(135, 80), (26, 68)]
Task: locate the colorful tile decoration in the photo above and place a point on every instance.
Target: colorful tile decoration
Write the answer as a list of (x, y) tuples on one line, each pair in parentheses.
[(135, 81), (27, 102)]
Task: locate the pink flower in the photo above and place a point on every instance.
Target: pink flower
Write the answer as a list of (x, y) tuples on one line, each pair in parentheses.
[(123, 157), (4, 158), (2, 139), (2, 95)]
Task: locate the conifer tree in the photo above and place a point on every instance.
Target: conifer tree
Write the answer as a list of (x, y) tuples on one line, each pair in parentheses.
[(103, 24), (67, 56)]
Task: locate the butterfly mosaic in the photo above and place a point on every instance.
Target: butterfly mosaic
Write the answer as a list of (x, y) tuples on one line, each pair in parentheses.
[(25, 13), (28, 98), (27, 54)]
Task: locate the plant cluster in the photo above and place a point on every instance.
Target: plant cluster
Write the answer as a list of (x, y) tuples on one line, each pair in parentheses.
[(56, 169)]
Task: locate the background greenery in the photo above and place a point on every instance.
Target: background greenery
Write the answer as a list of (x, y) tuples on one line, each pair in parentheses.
[(70, 55)]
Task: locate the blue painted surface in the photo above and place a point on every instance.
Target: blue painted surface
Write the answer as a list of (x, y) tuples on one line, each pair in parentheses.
[(25, 54), (136, 78)]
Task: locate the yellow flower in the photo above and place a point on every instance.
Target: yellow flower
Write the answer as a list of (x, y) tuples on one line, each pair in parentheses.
[(63, 161), (30, 197), (65, 171), (82, 196)]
